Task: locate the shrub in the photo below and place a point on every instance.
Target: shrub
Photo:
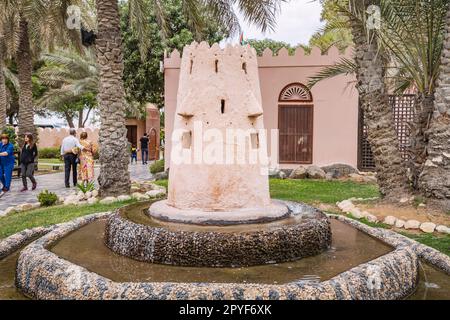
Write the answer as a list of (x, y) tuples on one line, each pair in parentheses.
[(49, 153), (47, 199), (86, 188), (157, 166)]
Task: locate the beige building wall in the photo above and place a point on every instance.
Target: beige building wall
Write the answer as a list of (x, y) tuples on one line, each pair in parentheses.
[(335, 126), (52, 138)]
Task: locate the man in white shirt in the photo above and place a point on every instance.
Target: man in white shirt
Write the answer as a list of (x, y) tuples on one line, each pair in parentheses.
[(68, 149)]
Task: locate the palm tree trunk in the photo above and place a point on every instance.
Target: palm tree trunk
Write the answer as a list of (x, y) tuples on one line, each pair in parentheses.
[(114, 177), (3, 103), (390, 167), (25, 68), (434, 180), (419, 138)]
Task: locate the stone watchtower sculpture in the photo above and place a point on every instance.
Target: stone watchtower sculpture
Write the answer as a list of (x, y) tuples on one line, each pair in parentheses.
[(218, 169)]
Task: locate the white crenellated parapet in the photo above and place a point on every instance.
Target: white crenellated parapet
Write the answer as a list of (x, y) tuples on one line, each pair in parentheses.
[(268, 59)]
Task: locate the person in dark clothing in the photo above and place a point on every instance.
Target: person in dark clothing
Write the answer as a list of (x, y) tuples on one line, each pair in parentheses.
[(27, 157), (70, 148), (144, 148)]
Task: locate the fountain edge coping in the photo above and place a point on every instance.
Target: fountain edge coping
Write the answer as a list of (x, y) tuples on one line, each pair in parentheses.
[(41, 274), (396, 240)]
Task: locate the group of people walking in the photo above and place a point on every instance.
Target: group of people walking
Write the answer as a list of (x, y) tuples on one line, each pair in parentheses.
[(78, 156), (78, 152), (28, 155), (74, 152)]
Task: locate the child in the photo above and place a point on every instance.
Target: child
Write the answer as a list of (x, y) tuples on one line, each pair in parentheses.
[(134, 152)]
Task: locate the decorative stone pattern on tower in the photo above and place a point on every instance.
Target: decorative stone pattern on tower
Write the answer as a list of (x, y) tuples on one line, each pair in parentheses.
[(218, 90)]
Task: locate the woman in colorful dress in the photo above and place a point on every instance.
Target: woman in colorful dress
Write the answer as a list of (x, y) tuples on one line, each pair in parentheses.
[(86, 172)]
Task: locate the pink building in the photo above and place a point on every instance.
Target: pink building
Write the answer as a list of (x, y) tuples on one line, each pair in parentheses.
[(317, 127)]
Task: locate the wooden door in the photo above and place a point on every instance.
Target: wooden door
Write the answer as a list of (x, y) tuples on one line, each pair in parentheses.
[(132, 135), (153, 152), (295, 123)]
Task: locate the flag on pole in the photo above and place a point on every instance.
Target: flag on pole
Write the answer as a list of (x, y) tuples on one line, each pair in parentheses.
[(241, 39)]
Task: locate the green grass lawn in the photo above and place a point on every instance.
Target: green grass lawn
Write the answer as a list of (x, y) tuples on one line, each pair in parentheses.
[(52, 161), (308, 191), (314, 191), (441, 242), (16, 222)]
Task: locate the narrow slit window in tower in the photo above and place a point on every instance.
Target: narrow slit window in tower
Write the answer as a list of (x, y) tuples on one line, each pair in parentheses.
[(244, 67)]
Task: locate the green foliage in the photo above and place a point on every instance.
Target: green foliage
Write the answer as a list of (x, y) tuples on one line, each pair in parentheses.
[(275, 46), (335, 32), (438, 242), (143, 80), (411, 34), (157, 166), (47, 199), (69, 82), (89, 187), (312, 191), (49, 153)]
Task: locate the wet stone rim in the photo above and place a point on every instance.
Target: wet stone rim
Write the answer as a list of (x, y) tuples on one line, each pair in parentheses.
[(42, 275), (309, 236)]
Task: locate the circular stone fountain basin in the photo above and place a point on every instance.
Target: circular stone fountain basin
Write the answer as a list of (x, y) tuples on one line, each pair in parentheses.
[(304, 232), (71, 262)]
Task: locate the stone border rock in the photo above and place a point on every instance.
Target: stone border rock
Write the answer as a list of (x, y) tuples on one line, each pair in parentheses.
[(348, 207), (80, 198), (41, 274), (309, 234)]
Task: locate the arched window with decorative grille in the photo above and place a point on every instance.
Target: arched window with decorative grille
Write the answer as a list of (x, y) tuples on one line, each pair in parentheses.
[(295, 123), (295, 92)]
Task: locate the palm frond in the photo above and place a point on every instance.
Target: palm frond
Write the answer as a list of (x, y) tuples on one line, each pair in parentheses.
[(344, 66)]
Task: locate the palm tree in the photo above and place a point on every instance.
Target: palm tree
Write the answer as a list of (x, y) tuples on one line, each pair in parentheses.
[(412, 36), (32, 26), (3, 102), (71, 77), (25, 70), (369, 65), (434, 180), (114, 176), (415, 45)]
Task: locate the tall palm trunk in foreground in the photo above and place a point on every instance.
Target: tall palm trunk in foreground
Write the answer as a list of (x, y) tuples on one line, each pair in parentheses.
[(114, 177), (390, 167), (2, 86), (419, 136), (25, 68), (434, 180)]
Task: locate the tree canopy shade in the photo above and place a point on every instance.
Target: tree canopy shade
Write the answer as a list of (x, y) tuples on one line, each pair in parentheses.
[(143, 80)]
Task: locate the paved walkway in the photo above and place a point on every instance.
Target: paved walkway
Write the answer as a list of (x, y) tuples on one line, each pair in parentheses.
[(54, 182)]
